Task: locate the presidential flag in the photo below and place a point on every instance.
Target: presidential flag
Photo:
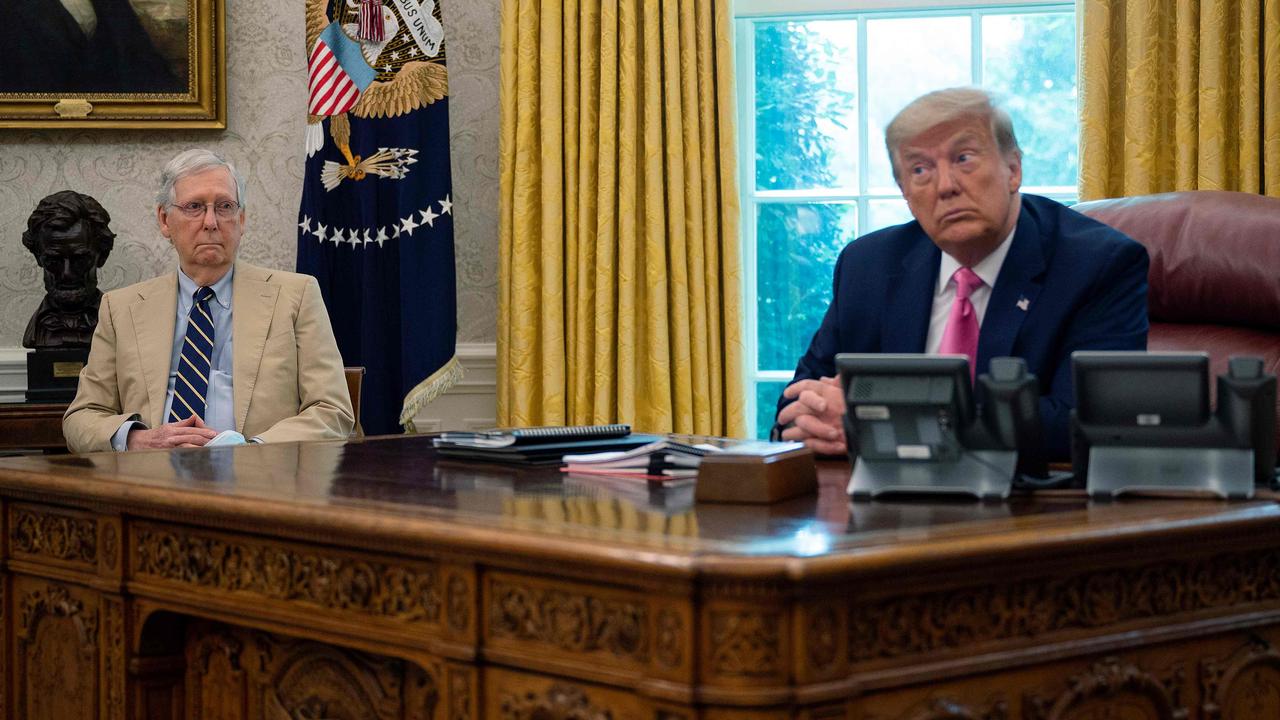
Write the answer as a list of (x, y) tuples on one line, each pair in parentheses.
[(376, 222)]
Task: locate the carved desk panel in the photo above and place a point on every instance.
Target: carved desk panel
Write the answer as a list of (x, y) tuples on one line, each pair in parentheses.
[(369, 580)]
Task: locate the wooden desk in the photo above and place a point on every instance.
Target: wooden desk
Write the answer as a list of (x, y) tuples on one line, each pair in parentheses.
[(32, 426), (368, 580)]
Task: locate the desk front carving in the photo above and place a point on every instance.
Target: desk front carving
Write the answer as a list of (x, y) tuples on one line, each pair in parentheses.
[(363, 581), (246, 570), (49, 535)]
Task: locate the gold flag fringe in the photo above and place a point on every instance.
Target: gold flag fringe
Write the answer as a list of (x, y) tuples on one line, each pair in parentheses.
[(436, 384)]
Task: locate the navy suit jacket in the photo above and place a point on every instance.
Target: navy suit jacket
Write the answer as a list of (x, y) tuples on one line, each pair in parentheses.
[(1085, 286)]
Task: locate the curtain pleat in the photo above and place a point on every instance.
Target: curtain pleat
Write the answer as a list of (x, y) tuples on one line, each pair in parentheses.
[(1179, 95), (619, 271)]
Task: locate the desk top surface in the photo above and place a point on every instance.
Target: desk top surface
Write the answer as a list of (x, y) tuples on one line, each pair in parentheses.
[(396, 492)]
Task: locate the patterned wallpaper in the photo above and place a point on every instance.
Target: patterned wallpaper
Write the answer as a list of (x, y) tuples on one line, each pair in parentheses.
[(267, 88)]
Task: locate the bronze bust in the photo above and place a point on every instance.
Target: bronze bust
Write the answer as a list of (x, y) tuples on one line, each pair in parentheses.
[(68, 234)]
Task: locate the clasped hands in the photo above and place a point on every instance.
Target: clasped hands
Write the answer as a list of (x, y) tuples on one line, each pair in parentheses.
[(817, 415), (191, 432)]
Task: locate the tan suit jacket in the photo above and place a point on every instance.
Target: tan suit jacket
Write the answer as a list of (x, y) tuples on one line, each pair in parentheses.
[(287, 377)]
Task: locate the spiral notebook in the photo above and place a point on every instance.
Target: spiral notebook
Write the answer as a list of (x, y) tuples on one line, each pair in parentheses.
[(530, 435)]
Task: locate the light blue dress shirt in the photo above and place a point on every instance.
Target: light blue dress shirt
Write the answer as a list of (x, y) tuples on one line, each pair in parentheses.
[(219, 413)]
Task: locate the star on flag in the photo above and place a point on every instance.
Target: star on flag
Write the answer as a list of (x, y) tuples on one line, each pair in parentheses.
[(407, 225)]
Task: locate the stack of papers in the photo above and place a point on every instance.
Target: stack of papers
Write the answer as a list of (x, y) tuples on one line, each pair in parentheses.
[(662, 460)]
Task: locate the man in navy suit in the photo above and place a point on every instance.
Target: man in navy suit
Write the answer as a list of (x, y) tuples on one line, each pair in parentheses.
[(1042, 280)]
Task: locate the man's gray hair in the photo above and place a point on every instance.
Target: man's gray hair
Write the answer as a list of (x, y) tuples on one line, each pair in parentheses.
[(940, 106), (190, 162)]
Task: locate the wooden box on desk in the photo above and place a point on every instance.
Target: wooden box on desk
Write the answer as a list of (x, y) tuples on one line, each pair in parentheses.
[(756, 473)]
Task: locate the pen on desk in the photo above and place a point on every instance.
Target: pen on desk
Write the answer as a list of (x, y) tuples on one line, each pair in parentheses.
[(477, 435)]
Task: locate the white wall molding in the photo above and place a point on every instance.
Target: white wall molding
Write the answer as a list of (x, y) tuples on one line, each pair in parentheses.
[(13, 374), (472, 404), (469, 405), (480, 361)]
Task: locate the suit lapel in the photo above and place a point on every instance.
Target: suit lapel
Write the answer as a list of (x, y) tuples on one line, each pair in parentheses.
[(152, 315), (905, 326), (252, 306), (1015, 292)]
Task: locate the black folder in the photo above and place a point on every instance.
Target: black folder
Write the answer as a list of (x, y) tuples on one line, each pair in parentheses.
[(541, 453)]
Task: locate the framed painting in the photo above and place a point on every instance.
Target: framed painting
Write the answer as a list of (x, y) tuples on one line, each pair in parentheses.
[(113, 64)]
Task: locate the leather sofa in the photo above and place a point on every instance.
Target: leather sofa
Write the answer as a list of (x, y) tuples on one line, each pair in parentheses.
[(1215, 270)]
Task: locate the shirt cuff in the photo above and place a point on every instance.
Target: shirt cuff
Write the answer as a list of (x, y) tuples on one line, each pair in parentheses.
[(120, 441)]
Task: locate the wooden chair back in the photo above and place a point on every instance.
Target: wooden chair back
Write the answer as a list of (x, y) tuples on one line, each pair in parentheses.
[(355, 378)]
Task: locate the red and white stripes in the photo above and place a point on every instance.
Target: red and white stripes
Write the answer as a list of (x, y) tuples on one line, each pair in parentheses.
[(371, 20), (332, 90)]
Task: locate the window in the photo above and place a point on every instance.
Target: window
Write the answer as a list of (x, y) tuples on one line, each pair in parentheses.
[(815, 91)]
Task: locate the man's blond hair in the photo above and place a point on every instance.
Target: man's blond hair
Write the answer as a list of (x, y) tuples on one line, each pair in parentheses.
[(941, 106)]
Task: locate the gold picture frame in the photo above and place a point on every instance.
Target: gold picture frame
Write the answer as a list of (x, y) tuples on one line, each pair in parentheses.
[(183, 83)]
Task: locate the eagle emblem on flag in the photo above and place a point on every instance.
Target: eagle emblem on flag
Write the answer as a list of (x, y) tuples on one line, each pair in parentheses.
[(376, 59)]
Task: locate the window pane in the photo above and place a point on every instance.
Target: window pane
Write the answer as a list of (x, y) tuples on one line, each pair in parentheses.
[(883, 213), (806, 104), (907, 58), (796, 250), (1031, 60), (767, 394)]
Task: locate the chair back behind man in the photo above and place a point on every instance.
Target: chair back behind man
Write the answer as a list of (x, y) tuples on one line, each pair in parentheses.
[(355, 379), (1215, 271)]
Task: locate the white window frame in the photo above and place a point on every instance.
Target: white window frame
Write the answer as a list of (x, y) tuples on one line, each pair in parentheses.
[(745, 13)]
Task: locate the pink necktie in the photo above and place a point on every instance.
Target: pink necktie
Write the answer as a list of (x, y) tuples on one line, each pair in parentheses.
[(960, 337)]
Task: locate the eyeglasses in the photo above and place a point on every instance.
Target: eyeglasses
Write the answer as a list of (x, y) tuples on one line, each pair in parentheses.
[(225, 209)]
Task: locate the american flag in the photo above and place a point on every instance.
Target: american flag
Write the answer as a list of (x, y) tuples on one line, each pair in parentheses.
[(338, 73)]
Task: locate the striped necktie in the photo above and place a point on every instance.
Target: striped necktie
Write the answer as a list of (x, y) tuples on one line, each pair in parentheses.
[(193, 363)]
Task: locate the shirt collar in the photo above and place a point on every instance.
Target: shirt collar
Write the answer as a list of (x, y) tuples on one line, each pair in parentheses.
[(988, 268), (221, 289)]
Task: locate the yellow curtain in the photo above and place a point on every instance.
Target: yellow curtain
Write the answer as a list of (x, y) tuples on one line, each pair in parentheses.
[(619, 273), (1179, 95)]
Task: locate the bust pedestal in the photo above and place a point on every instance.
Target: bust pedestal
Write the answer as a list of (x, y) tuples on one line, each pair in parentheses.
[(52, 375)]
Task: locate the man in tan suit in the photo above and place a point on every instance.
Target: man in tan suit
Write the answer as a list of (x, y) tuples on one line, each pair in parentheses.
[(265, 360)]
